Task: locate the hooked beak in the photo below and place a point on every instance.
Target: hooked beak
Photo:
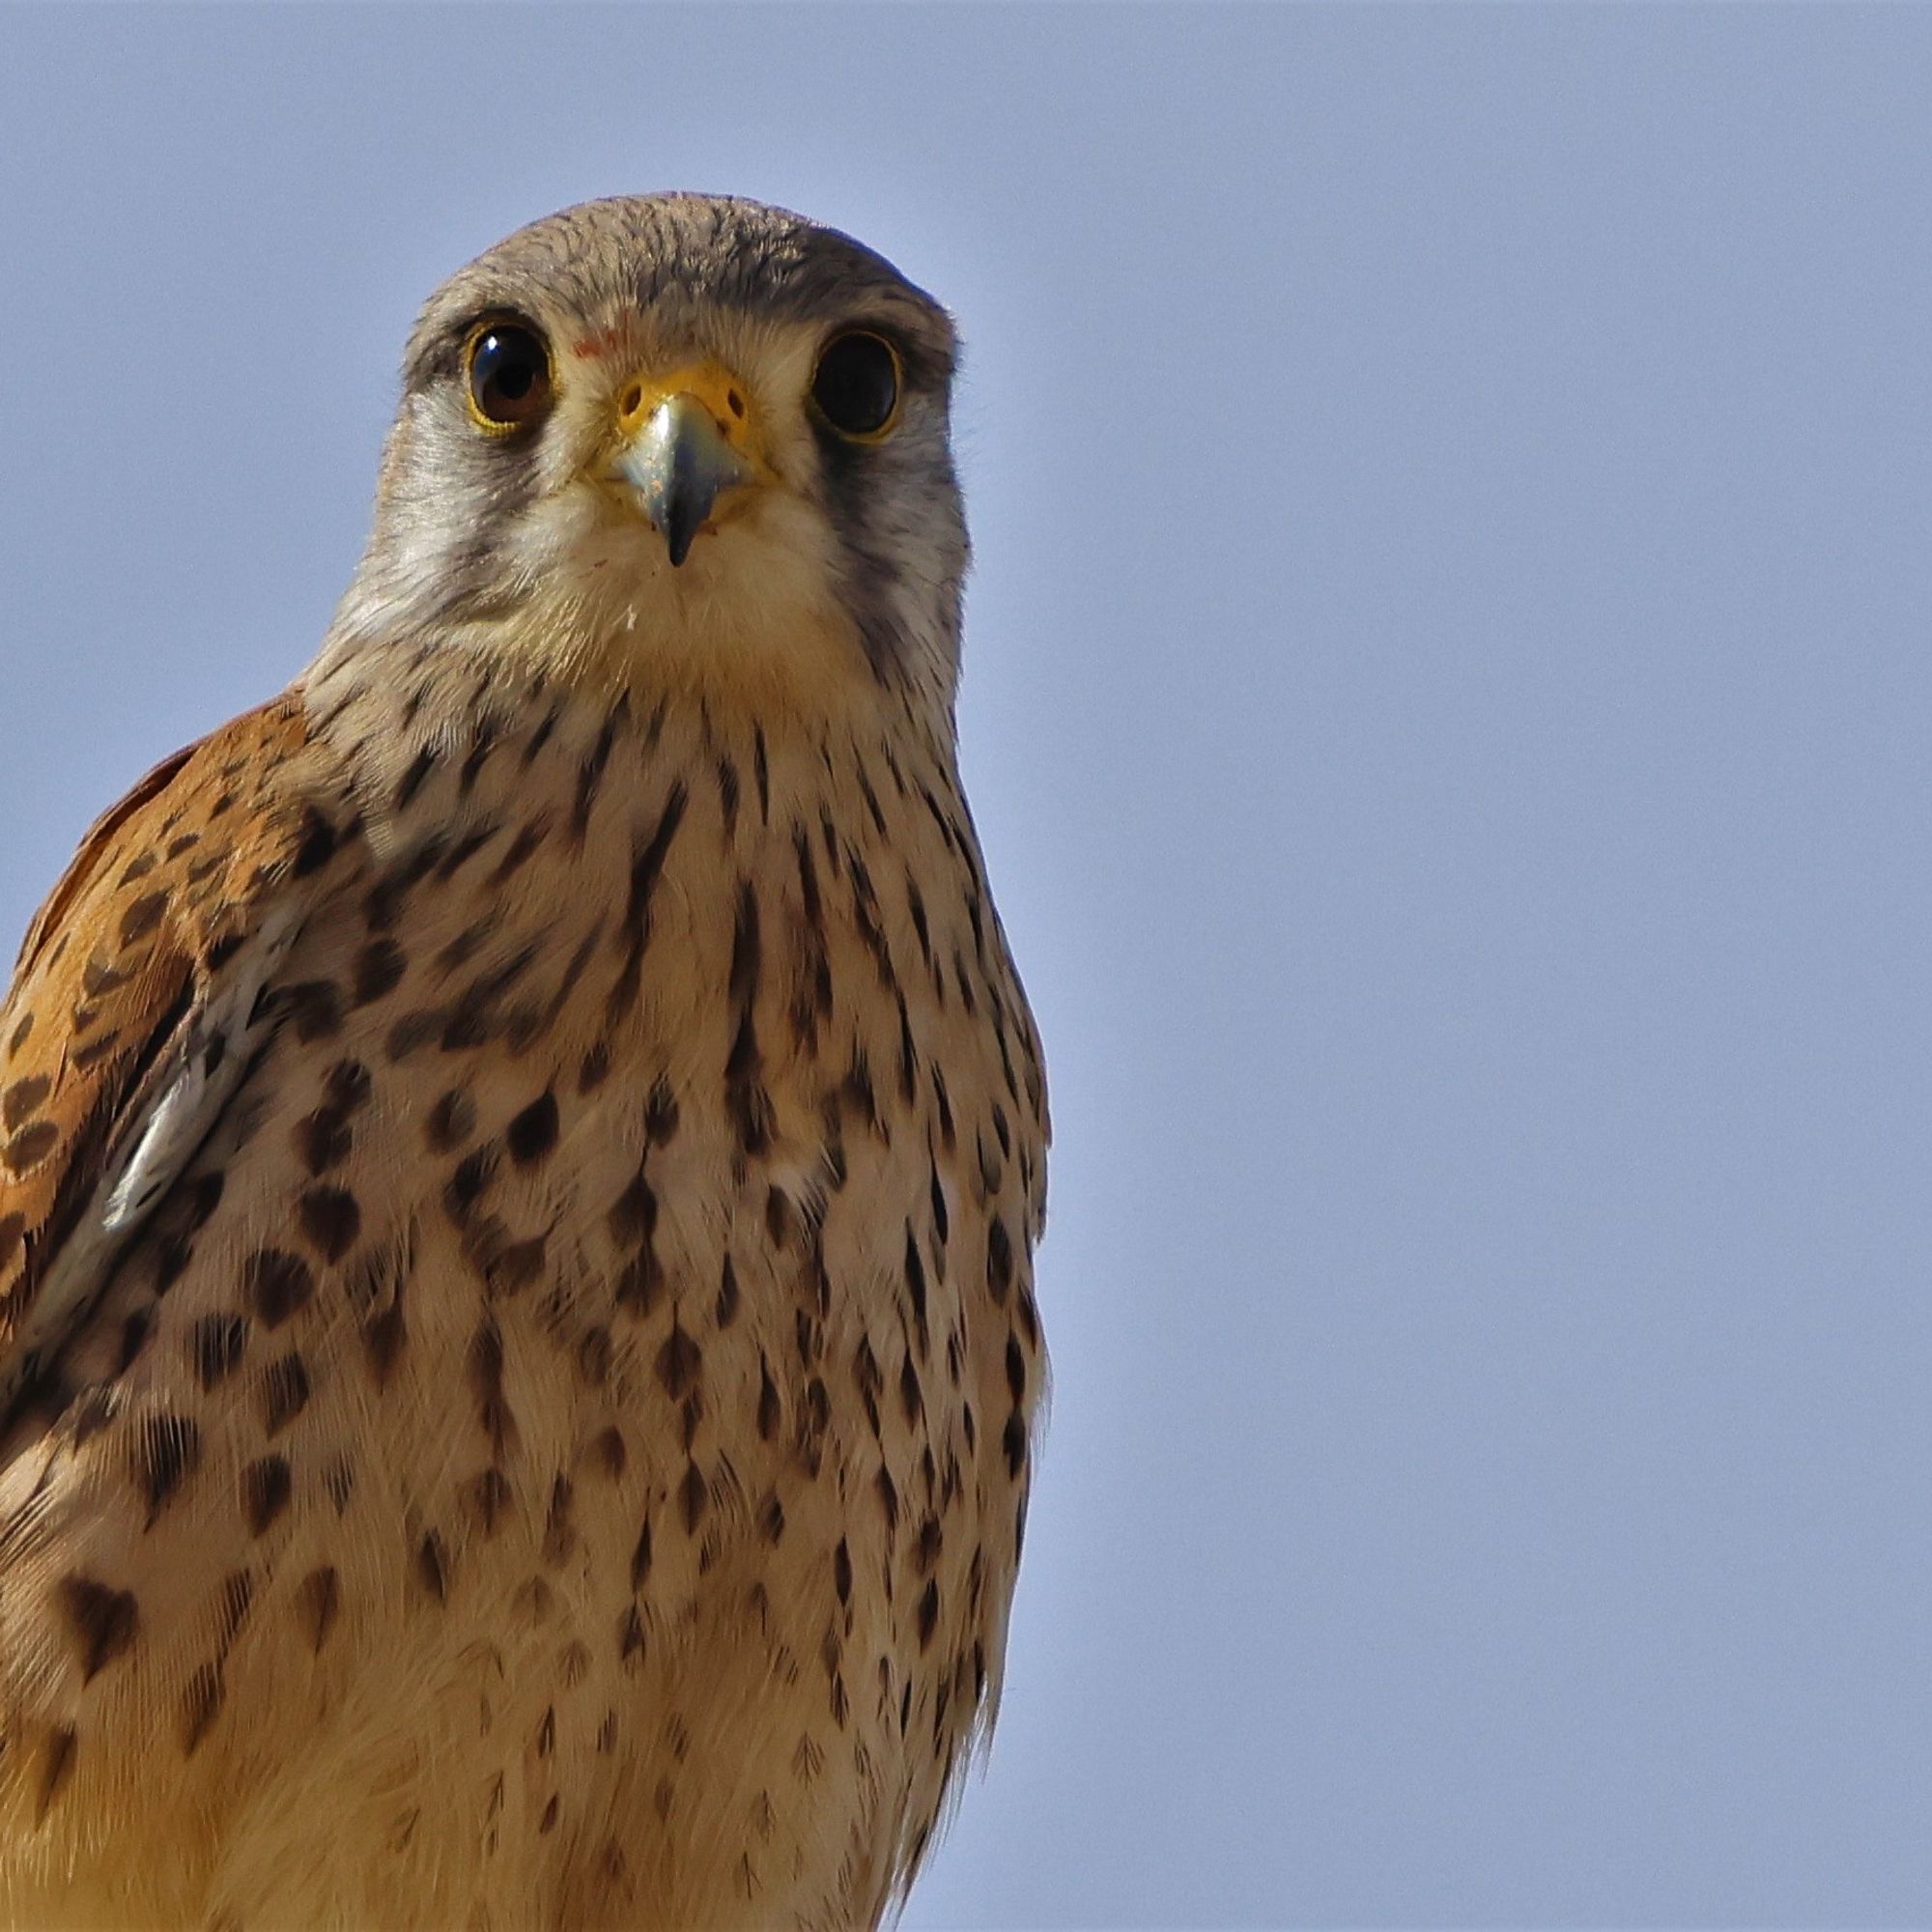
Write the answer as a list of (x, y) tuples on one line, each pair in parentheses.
[(680, 451)]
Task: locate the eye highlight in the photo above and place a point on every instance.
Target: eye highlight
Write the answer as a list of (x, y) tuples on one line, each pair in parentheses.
[(506, 366), (856, 384)]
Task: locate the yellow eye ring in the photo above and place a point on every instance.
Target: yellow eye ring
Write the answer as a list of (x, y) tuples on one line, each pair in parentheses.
[(859, 385), (506, 376)]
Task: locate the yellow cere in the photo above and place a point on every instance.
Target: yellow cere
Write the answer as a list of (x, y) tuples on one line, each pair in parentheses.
[(725, 395)]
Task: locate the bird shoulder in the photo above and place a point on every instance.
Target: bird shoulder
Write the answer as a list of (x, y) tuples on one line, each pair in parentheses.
[(130, 1021)]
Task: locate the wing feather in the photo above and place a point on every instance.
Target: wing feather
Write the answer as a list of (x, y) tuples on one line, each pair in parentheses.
[(135, 1009)]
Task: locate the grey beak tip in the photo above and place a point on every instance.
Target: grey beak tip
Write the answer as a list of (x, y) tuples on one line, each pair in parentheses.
[(681, 463)]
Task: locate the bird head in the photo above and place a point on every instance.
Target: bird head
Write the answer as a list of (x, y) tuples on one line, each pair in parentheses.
[(675, 440)]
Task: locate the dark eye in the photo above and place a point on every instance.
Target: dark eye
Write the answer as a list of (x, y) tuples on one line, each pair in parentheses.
[(857, 386), (510, 376)]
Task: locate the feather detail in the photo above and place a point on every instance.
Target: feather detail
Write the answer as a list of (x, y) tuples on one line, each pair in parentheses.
[(136, 1009)]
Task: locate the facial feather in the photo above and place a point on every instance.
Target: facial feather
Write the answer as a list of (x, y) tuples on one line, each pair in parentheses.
[(844, 573)]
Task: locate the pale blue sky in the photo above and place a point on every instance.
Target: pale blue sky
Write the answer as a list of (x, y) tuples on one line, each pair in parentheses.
[(1448, 698)]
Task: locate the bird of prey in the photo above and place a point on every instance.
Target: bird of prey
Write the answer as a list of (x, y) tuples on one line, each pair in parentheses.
[(520, 1162)]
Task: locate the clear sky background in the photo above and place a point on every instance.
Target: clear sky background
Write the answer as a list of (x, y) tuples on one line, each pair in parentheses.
[(1449, 670)]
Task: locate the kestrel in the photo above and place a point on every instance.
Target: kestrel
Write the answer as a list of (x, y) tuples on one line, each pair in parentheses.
[(520, 1162)]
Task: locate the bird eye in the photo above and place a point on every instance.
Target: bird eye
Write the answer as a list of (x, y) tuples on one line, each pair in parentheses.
[(856, 385), (510, 376)]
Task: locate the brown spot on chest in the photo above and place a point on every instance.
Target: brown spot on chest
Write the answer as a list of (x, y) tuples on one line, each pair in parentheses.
[(317, 1600), (330, 1221), (215, 1346), (101, 1622), (166, 1450), (266, 1487), (532, 1133), (277, 1284)]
